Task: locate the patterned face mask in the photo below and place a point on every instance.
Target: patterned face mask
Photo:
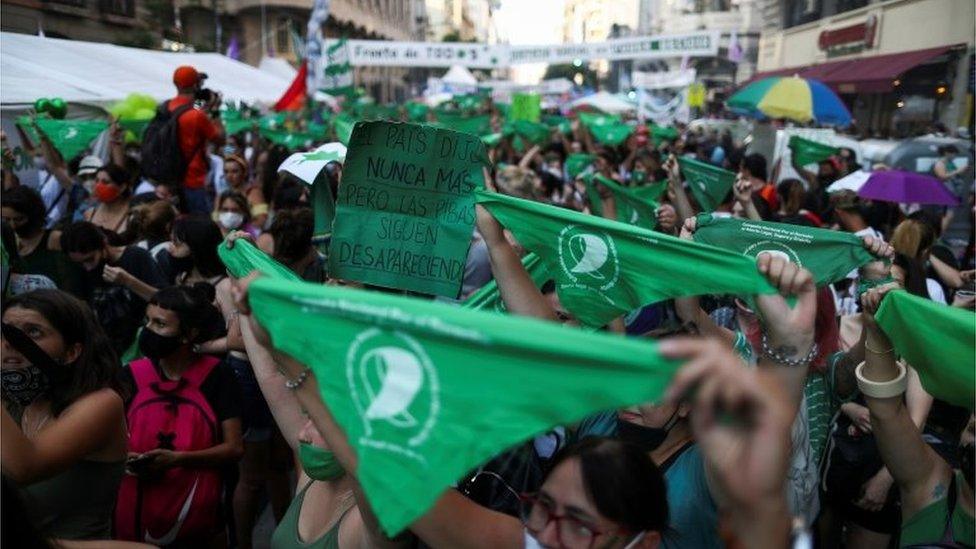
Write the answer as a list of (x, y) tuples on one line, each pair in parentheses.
[(24, 385)]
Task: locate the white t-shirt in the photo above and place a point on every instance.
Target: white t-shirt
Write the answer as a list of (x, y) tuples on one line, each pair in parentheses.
[(54, 196), (936, 293)]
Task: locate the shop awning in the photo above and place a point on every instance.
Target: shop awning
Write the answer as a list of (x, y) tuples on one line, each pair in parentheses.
[(864, 75)]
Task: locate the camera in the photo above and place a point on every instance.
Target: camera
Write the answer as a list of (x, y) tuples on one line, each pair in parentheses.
[(205, 95)]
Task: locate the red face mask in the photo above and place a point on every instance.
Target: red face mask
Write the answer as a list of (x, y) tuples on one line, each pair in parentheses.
[(107, 192)]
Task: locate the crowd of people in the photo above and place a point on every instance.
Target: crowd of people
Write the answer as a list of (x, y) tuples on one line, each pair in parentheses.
[(133, 373)]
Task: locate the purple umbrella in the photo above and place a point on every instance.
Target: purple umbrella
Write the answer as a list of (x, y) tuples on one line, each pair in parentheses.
[(907, 188)]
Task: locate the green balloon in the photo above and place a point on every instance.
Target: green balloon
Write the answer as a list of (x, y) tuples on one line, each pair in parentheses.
[(42, 105), (58, 108)]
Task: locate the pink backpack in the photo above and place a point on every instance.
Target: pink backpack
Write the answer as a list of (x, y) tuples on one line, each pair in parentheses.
[(182, 504)]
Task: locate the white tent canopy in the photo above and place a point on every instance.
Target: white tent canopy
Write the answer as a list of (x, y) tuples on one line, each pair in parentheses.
[(278, 67), (459, 76), (604, 102), (100, 74)]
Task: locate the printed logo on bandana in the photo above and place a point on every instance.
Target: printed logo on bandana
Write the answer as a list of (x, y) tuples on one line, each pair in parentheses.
[(776, 249), (395, 389), (588, 258), (71, 133)]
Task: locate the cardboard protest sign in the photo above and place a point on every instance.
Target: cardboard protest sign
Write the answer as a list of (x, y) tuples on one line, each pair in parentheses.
[(405, 211)]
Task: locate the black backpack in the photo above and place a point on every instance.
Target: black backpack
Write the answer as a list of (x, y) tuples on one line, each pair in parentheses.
[(162, 158)]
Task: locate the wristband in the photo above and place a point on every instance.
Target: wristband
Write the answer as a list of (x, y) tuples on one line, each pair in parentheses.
[(882, 389), (786, 361), (293, 384)]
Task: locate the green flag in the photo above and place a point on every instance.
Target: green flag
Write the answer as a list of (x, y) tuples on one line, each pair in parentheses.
[(609, 130), (465, 123), (71, 137), (577, 162), (244, 258), (593, 195), (291, 140), (663, 133), (630, 208), (337, 77), (534, 132), (489, 298), (651, 192), (829, 255), (343, 124), (237, 125), (525, 106), (405, 211), (937, 340), (417, 112), (492, 139), (604, 269), (708, 183), (557, 121), (407, 379), (809, 152)]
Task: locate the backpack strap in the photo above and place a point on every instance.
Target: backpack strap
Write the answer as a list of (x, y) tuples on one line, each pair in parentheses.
[(199, 370), (144, 373), (951, 497)]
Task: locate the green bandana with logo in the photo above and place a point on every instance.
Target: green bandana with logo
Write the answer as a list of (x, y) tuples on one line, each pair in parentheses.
[(71, 137), (829, 255), (604, 269), (630, 207), (937, 340), (651, 192), (489, 298), (557, 121), (479, 124), (407, 379), (533, 132), (245, 258), (608, 130), (807, 152), (577, 162), (708, 183)]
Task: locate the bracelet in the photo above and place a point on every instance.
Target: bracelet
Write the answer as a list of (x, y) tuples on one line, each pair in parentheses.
[(293, 384), (882, 389), (785, 361), (876, 352)]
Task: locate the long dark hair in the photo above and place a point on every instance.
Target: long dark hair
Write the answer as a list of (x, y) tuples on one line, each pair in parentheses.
[(202, 235), (915, 279), (622, 481), (97, 367), (194, 307)]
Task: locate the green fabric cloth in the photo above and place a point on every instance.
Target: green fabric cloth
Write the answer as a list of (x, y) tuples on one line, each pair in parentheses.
[(664, 133), (593, 195), (291, 140), (652, 192), (939, 341), (577, 162), (71, 137), (407, 379), (343, 124), (829, 255), (417, 112), (604, 269), (928, 525), (465, 123), (630, 207), (245, 258), (807, 152), (137, 127), (491, 139), (489, 298), (557, 121), (608, 130), (525, 106), (709, 184), (534, 132)]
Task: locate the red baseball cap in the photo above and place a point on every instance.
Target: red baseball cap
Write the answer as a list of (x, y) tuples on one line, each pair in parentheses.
[(187, 77)]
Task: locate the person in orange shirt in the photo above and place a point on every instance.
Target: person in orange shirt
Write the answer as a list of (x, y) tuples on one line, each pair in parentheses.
[(198, 128)]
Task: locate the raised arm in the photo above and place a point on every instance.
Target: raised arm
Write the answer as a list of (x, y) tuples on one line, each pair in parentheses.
[(56, 165), (917, 469), (689, 308), (681, 202)]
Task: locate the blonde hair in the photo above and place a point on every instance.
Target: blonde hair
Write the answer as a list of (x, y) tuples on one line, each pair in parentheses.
[(912, 237)]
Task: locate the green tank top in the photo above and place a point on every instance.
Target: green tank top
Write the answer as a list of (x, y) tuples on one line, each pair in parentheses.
[(77, 504), (286, 534), (928, 525)]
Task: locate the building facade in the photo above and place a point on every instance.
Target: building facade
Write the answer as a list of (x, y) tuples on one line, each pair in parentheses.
[(258, 27), (596, 21), (898, 64), (461, 20)]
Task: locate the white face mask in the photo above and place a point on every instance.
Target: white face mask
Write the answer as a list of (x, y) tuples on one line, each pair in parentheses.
[(532, 543), (230, 220)]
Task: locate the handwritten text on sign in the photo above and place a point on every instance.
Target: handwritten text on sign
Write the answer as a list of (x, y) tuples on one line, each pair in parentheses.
[(405, 210)]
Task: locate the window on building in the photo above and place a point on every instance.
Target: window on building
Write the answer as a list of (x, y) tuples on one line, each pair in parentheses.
[(283, 35), (842, 6), (799, 12), (76, 3), (124, 8)]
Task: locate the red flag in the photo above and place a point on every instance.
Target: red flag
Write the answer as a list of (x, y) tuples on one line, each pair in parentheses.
[(294, 97)]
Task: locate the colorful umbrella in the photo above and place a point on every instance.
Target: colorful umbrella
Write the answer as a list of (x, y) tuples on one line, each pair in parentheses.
[(795, 98), (907, 188)]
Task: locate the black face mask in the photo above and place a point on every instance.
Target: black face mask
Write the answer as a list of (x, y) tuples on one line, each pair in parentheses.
[(26, 230), (967, 461), (95, 274), (155, 346), (24, 385), (647, 439)]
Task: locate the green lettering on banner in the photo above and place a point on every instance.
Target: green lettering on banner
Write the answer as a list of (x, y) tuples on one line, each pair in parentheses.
[(405, 211)]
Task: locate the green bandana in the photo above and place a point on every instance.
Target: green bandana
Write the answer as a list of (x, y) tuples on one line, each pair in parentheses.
[(937, 340), (489, 298), (829, 255), (605, 269), (807, 152), (319, 463), (244, 258), (533, 132), (407, 380), (652, 192), (71, 137), (593, 195), (577, 162), (492, 139), (343, 125), (630, 207), (663, 133), (708, 183), (465, 123), (609, 130), (556, 121), (417, 112)]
